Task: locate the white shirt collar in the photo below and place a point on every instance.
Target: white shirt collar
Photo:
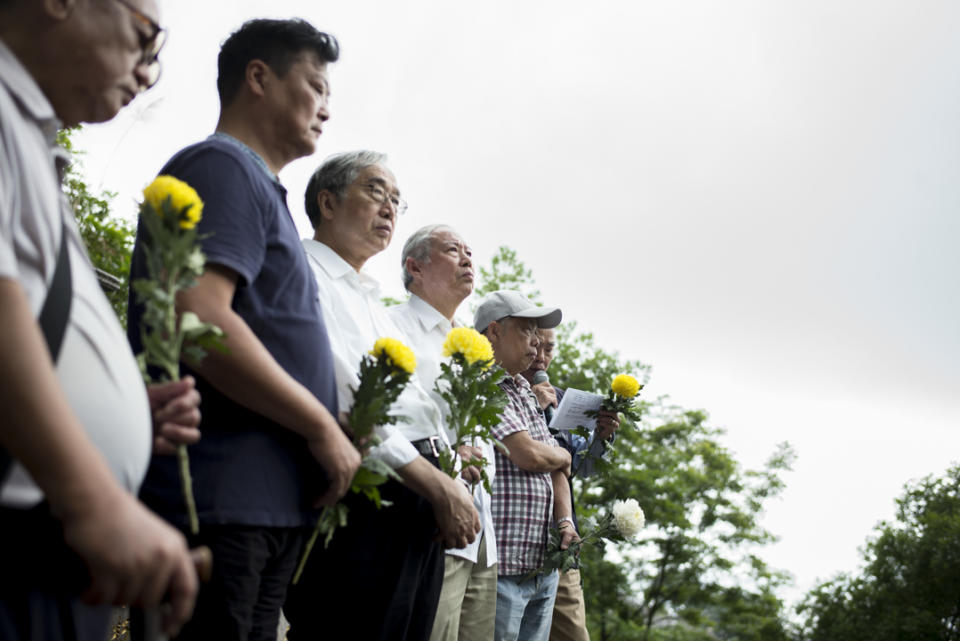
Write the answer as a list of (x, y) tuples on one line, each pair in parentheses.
[(337, 268), (427, 315)]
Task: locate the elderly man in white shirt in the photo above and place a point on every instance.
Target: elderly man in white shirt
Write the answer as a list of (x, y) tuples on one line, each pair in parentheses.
[(390, 560), (438, 273)]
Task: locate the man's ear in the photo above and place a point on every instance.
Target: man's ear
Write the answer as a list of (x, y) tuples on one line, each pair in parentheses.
[(59, 9), (326, 201), (413, 267), (255, 76)]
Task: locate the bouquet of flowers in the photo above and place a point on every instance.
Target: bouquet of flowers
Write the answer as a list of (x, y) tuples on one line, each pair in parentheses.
[(620, 398), (468, 384), (169, 215), (621, 523), (384, 372)]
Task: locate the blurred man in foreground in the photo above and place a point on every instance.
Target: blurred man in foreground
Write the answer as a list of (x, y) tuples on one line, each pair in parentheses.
[(76, 426)]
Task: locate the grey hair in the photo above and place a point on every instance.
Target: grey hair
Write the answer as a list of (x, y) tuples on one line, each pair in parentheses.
[(418, 247), (336, 174)]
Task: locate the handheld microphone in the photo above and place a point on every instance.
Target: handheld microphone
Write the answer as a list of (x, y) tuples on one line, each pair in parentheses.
[(540, 376)]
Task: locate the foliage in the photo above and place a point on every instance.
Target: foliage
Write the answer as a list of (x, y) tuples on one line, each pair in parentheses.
[(909, 587), (696, 566), (169, 214), (693, 574), (581, 364), (109, 240), (623, 522), (506, 272), (174, 260)]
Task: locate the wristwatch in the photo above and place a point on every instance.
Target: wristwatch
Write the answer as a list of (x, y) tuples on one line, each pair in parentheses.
[(568, 520)]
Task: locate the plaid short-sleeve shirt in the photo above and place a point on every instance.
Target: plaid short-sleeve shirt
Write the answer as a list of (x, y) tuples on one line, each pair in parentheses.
[(522, 501)]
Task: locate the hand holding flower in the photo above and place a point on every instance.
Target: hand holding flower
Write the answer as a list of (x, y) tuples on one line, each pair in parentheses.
[(383, 375), (169, 215), (622, 522), (468, 384), (175, 408)]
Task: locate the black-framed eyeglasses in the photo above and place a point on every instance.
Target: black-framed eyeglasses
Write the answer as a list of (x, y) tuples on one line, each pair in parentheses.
[(381, 195), (150, 46)]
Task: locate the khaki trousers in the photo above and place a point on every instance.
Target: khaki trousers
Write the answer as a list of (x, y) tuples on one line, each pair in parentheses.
[(467, 609), (569, 612)]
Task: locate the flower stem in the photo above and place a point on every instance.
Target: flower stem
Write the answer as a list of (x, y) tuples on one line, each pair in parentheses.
[(187, 483), (573, 473), (309, 546)]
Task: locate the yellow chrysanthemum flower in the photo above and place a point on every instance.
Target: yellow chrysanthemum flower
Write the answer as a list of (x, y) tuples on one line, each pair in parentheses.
[(625, 386), (399, 355), (183, 198), (467, 341)]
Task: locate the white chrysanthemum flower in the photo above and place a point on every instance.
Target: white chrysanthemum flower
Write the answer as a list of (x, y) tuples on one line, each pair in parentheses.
[(628, 517)]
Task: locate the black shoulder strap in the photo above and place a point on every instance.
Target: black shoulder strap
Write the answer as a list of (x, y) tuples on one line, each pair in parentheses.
[(56, 308), (53, 320)]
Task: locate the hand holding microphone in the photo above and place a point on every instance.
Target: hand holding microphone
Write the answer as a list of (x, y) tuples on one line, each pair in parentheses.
[(546, 395)]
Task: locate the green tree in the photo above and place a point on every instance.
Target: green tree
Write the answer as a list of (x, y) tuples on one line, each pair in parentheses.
[(694, 573), (109, 240), (909, 588), (506, 271), (695, 570)]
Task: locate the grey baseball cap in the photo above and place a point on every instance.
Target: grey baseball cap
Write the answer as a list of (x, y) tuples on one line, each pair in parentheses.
[(505, 302)]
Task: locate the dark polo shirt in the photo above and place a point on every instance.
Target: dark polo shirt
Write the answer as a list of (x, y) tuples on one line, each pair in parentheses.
[(247, 470)]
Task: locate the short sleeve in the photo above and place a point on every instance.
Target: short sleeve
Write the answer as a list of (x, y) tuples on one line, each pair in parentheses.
[(233, 230), (511, 422), (8, 259)]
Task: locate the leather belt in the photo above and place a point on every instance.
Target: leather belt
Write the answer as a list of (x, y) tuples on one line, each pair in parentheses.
[(430, 446)]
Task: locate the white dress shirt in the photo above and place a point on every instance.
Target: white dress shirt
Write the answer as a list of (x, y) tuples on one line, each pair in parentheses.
[(355, 319), (426, 329)]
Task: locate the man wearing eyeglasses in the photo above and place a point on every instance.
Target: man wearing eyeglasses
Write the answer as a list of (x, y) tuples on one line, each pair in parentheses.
[(389, 561), (272, 450), (530, 490), (76, 431)]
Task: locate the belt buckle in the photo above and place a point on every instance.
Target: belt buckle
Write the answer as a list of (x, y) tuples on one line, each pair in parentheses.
[(432, 440)]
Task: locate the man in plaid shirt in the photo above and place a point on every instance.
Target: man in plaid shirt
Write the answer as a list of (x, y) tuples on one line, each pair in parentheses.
[(530, 490)]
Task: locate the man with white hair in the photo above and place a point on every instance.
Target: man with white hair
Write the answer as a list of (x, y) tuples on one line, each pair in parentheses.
[(438, 272), (387, 561)]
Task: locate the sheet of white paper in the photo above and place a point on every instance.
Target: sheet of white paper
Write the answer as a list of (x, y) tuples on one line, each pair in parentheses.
[(570, 414)]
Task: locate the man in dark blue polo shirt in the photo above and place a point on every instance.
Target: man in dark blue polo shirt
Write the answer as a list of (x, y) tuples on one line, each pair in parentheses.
[(271, 450)]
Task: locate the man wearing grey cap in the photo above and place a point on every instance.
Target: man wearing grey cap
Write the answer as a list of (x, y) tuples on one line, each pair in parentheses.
[(530, 490)]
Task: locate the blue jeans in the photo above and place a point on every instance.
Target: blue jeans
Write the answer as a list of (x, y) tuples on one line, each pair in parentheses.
[(525, 610)]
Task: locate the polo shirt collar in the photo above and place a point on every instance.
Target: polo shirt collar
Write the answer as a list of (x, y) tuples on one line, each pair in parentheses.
[(250, 153)]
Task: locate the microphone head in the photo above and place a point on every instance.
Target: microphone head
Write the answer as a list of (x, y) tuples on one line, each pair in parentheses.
[(540, 376)]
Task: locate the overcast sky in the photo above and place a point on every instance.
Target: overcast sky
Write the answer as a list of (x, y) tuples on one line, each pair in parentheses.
[(758, 198)]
